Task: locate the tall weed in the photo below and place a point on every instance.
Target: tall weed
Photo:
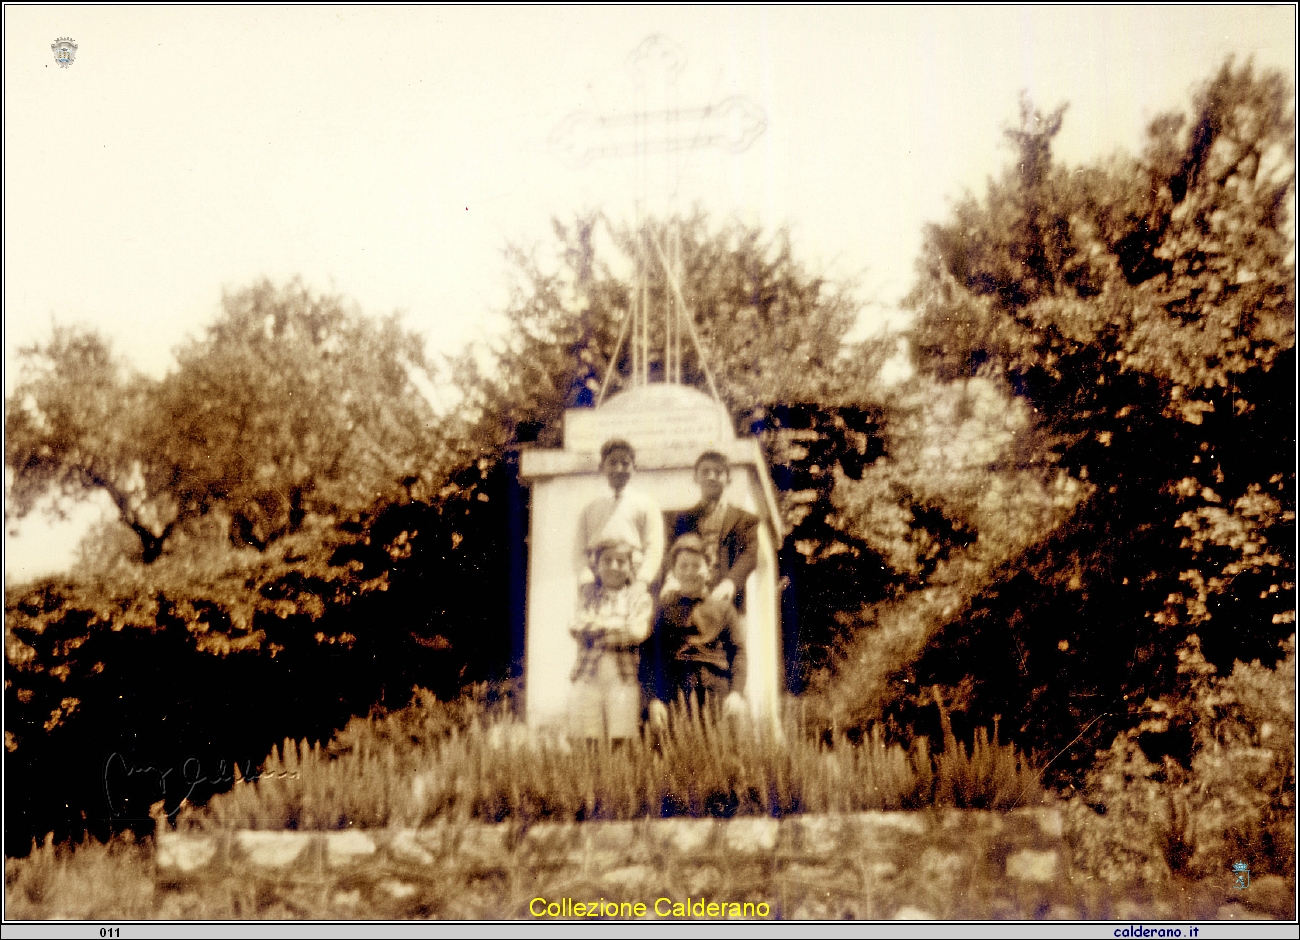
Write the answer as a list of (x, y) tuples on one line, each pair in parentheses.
[(80, 882), (470, 759)]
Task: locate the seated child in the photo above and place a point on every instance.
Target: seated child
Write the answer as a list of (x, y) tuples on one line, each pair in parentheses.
[(612, 620), (697, 647)]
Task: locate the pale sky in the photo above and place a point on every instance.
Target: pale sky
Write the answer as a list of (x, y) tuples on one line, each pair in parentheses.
[(392, 154)]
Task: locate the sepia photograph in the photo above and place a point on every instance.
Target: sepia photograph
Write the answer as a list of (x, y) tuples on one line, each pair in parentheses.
[(650, 465)]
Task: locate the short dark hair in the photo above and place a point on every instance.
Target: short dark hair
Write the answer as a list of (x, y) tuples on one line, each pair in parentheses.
[(613, 444), (690, 542), (715, 457)]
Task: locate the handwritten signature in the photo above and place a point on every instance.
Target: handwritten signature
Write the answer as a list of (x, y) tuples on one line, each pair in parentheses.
[(191, 776)]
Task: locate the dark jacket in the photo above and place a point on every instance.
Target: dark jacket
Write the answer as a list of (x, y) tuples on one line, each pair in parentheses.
[(695, 645), (738, 543)]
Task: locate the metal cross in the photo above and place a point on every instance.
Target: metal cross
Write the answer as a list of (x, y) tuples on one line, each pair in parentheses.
[(730, 125)]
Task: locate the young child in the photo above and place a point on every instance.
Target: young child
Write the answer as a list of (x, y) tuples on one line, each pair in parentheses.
[(697, 647), (612, 620)]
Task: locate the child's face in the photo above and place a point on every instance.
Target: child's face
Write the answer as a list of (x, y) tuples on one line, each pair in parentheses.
[(691, 572), (614, 569), (617, 468), (712, 478)]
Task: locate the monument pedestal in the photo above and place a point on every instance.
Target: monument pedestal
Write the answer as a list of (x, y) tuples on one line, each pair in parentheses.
[(669, 426)]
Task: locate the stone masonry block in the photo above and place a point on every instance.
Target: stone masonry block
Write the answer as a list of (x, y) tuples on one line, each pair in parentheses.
[(342, 848), (965, 820), (891, 822), (1030, 865), (616, 838), (818, 835), (485, 844), (629, 876), (270, 849), (556, 843), (751, 836), (441, 838), (404, 845), (687, 836), (1049, 821), (184, 853), (941, 866)]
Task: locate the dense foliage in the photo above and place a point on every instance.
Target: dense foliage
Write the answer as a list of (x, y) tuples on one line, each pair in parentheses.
[(1143, 309)]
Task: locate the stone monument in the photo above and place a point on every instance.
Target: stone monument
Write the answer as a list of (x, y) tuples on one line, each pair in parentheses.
[(670, 425)]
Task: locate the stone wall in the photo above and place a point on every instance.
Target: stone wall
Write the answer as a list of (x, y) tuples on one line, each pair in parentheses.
[(945, 864), (874, 865)]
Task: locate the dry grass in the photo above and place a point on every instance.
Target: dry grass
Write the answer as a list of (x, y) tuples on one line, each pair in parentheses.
[(60, 882), (466, 760)]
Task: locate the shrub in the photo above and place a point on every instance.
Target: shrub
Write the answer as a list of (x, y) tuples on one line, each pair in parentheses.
[(1231, 800)]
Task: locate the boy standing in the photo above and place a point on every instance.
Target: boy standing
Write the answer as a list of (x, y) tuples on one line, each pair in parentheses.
[(627, 514), (728, 533), (697, 647)]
